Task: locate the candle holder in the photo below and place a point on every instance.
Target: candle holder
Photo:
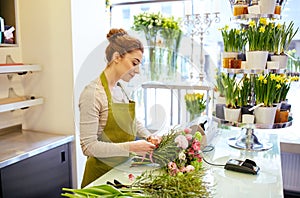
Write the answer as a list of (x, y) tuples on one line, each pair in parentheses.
[(198, 25)]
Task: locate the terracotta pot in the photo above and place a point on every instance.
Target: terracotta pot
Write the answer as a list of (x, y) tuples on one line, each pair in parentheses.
[(281, 116), (227, 57)]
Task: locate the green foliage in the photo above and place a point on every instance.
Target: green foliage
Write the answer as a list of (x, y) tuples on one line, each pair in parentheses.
[(190, 184), (244, 91), (232, 90), (234, 39)]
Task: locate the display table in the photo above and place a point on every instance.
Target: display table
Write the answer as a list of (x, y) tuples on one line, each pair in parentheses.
[(268, 182)]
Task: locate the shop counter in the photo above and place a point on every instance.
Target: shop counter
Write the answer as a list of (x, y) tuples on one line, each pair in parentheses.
[(267, 183)]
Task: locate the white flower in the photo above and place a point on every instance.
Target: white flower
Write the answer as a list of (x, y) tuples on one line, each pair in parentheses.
[(181, 155), (189, 168)]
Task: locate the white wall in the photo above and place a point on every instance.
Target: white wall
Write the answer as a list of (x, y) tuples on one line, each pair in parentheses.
[(90, 24), (63, 37), (46, 39)]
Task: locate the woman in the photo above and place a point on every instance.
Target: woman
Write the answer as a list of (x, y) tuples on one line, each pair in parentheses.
[(108, 127)]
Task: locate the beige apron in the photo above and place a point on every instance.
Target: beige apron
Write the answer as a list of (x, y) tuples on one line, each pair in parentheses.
[(120, 127)]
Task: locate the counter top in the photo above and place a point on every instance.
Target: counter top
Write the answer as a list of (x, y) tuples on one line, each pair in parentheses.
[(268, 182), (16, 146)]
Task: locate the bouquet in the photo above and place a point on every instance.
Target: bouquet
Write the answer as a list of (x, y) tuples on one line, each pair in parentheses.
[(180, 175), (195, 104), (178, 155)]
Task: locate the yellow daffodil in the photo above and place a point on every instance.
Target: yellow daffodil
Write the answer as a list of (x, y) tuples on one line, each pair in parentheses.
[(278, 86), (195, 103), (263, 21), (262, 29), (252, 23)]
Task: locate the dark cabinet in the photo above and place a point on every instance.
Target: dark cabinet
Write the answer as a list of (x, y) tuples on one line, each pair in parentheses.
[(43, 175)]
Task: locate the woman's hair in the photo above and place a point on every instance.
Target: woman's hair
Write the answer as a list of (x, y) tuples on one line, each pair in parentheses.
[(121, 42)]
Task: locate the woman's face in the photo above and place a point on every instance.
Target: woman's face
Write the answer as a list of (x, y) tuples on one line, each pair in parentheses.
[(131, 65)]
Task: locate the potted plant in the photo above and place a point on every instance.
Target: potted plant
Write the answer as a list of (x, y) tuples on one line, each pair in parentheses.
[(260, 42), (195, 104), (232, 110), (220, 101), (265, 87), (283, 36), (244, 94), (234, 42)]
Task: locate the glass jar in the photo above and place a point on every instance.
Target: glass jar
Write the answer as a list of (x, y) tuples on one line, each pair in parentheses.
[(238, 8), (277, 8)]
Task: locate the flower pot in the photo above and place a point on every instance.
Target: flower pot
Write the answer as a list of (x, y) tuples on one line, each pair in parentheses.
[(245, 109), (241, 56), (232, 115), (254, 9), (256, 59), (265, 115), (220, 100), (272, 65), (267, 6), (282, 59), (248, 119), (278, 105), (235, 64), (285, 106), (281, 116), (220, 111), (226, 57)]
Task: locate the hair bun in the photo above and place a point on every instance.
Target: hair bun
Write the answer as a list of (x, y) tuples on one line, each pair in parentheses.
[(114, 33)]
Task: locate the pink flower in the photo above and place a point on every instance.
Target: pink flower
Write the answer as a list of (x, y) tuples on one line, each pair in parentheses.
[(198, 157), (172, 165), (181, 141), (196, 145), (183, 169), (189, 168), (187, 130), (173, 168), (189, 137), (191, 151)]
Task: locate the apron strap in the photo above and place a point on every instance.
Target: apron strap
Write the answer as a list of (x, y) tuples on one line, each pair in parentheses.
[(107, 91)]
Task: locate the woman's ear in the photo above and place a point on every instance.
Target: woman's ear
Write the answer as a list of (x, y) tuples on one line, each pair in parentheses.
[(115, 57)]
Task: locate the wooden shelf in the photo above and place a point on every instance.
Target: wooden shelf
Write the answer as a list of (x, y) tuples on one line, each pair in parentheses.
[(19, 68), (21, 104)]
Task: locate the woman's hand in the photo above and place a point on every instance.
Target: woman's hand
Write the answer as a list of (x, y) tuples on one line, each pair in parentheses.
[(141, 146), (154, 139)]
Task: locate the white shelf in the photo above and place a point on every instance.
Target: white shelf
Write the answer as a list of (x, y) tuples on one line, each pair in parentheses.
[(8, 45), (21, 104), (19, 68), (253, 71)]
